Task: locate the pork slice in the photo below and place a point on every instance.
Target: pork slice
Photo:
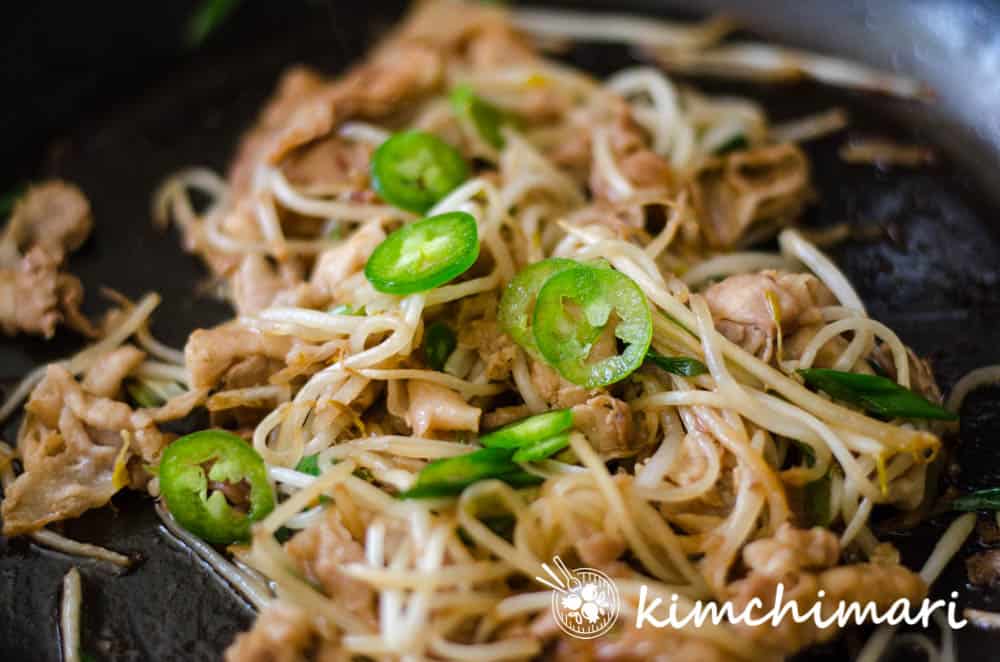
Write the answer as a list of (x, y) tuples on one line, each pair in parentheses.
[(105, 376), (433, 407), (209, 353)]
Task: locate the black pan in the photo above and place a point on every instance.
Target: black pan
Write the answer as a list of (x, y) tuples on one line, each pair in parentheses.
[(105, 95)]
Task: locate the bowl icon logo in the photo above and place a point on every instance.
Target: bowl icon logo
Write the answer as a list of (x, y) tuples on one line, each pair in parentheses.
[(585, 601)]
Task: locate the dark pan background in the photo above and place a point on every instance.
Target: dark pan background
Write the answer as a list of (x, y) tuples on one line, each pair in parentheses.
[(105, 95)]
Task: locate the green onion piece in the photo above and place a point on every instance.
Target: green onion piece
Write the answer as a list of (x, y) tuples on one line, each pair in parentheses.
[(487, 118), (502, 525), (521, 478), (876, 395), (543, 449), (194, 462), (677, 365), (209, 16), (449, 476), (517, 304), (529, 430), (807, 452), (309, 465), (86, 657), (988, 499), (439, 343), (364, 473), (566, 456), (566, 336), (413, 170), (10, 198), (152, 392), (876, 368), (347, 309), (734, 144), (142, 394), (816, 497), (425, 254)]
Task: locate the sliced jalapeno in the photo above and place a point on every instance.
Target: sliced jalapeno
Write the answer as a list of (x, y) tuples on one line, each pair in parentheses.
[(517, 303), (195, 472), (566, 335), (413, 170), (529, 430), (422, 255)]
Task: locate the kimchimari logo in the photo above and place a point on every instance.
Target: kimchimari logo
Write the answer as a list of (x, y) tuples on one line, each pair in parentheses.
[(586, 604), (585, 601)]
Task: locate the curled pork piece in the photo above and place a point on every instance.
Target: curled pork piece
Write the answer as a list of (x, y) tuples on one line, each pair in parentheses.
[(921, 375), (803, 561), (496, 349), (281, 633), (321, 551), (767, 184), (556, 391), (54, 215), (438, 408), (630, 150), (257, 285), (209, 353), (606, 421), (73, 444), (335, 265), (50, 221), (331, 166), (747, 307), (983, 568), (285, 633), (635, 645), (104, 378)]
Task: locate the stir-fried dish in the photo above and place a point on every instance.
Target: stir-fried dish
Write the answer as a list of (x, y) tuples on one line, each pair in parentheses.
[(491, 311)]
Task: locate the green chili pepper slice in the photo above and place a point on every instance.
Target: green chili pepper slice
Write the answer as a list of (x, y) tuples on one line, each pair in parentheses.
[(684, 366), (449, 476), (487, 118), (565, 336), (517, 304), (542, 449), (189, 469), (422, 255), (413, 170), (876, 395), (529, 430), (439, 343)]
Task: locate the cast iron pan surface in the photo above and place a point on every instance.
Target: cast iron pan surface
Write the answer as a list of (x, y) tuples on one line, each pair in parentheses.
[(108, 99)]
